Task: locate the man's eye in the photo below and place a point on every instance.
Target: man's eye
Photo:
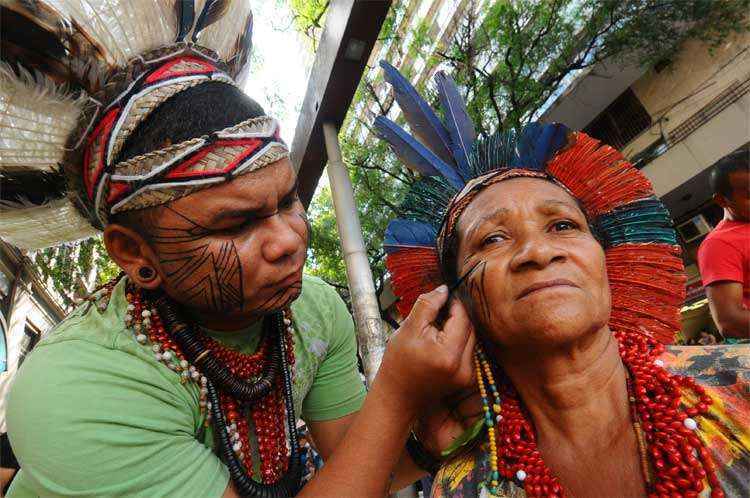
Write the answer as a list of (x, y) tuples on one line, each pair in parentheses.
[(564, 225), (289, 201), (238, 227)]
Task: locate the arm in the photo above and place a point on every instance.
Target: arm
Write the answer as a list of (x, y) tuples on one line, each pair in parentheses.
[(420, 364), (731, 317), (329, 434)]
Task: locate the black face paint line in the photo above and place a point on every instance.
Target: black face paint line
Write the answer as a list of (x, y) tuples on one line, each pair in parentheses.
[(209, 273), (474, 291)]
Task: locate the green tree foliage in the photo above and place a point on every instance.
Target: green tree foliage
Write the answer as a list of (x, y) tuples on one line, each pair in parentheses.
[(73, 267), (309, 16), (509, 58)]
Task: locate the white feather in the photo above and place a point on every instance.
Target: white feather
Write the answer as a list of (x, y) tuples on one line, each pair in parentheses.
[(123, 29), (36, 118), (37, 227), (222, 35)]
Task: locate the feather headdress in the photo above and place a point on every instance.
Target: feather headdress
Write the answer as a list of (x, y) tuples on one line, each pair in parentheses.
[(643, 259), (79, 76)]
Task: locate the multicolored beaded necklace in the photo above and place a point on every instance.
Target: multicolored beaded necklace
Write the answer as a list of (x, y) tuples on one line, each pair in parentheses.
[(234, 387), (673, 459)]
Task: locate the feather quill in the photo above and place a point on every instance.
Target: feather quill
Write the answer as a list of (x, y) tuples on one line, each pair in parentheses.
[(423, 122), (185, 14), (212, 11), (415, 155), (224, 33), (458, 123)]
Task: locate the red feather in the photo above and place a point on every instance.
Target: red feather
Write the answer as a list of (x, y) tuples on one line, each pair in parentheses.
[(598, 175), (414, 271)]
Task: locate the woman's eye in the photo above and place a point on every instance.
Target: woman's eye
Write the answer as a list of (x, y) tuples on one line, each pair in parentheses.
[(493, 239), (564, 225)]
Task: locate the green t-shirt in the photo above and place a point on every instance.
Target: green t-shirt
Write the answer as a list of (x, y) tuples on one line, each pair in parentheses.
[(93, 413)]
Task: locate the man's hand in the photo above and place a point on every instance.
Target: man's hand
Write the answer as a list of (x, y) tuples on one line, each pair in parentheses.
[(427, 360)]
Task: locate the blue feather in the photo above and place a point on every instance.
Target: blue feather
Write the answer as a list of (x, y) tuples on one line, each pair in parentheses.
[(537, 144), (460, 127), (406, 233), (415, 155), (423, 122)]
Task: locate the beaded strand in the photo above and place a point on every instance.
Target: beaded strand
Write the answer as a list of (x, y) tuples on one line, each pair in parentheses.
[(268, 413), (673, 459)]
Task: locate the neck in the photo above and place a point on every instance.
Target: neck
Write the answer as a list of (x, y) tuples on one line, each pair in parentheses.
[(575, 394), (223, 322), (728, 215)]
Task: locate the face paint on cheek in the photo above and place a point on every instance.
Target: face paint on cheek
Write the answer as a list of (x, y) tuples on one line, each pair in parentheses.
[(205, 273), (473, 291)]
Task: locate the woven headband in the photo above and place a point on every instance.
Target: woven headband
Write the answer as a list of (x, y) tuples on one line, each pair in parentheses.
[(167, 174)]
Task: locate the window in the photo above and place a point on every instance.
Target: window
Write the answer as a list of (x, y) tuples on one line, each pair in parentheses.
[(622, 121), (31, 337)]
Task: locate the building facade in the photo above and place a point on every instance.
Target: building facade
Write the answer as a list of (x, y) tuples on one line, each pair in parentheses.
[(673, 121), (28, 310)]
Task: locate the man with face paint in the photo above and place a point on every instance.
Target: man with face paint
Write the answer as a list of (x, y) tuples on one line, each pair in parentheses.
[(724, 255), (185, 375)]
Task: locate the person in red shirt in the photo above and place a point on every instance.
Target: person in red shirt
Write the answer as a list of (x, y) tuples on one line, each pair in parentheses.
[(724, 255)]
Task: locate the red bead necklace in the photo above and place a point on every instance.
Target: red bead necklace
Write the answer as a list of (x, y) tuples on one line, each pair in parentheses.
[(268, 414), (673, 459)]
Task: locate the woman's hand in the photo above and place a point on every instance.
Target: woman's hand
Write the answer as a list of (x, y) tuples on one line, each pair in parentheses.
[(429, 358)]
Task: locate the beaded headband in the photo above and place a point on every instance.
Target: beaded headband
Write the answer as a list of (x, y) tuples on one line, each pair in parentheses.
[(643, 261)]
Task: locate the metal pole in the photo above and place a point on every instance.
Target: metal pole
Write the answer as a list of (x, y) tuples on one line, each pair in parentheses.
[(370, 334)]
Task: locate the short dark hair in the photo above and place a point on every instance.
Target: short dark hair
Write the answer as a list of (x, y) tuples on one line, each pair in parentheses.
[(739, 160), (195, 112)]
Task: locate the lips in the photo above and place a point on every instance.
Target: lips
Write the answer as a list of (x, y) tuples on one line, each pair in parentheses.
[(290, 279), (558, 282)]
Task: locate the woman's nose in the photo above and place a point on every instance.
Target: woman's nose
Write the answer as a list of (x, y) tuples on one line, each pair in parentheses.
[(535, 251)]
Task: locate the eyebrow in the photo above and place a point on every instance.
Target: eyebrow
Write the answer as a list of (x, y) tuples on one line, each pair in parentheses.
[(554, 204), (495, 215), (499, 214), (244, 213)]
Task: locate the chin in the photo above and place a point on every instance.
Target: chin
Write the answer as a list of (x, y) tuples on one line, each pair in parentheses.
[(558, 325), (279, 300)]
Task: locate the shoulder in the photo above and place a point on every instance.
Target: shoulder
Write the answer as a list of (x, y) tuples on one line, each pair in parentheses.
[(717, 365), (319, 305), (315, 289), (90, 354), (723, 371), (726, 238)]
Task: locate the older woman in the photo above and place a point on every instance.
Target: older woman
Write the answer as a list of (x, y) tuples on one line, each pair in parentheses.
[(571, 272)]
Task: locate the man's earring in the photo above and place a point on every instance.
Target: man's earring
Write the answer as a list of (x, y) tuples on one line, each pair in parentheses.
[(146, 273)]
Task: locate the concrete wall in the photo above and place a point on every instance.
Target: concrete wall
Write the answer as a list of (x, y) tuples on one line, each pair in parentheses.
[(671, 96)]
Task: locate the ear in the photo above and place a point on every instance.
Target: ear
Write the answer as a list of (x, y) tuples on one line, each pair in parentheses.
[(721, 200), (132, 253)]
